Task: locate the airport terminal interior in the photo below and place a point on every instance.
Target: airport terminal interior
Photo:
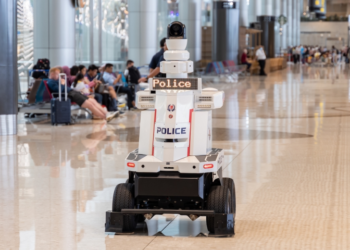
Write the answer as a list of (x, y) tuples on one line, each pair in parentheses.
[(174, 124)]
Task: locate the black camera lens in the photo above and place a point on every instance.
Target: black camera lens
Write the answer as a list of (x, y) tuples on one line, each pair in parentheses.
[(176, 27), (176, 30)]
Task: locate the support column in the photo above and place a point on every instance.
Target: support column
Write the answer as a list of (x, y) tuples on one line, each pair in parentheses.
[(295, 23), (299, 4), (285, 27), (258, 9), (289, 25), (190, 15), (267, 24), (143, 42), (243, 13), (225, 32), (277, 13), (8, 67), (54, 31), (269, 7)]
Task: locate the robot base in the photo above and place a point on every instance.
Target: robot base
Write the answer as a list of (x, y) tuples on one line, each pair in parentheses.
[(224, 223), (147, 194)]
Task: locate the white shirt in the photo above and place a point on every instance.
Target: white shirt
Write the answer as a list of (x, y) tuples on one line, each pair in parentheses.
[(260, 54), (82, 88)]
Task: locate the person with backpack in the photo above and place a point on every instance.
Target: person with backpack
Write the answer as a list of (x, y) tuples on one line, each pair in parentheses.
[(132, 75), (113, 81)]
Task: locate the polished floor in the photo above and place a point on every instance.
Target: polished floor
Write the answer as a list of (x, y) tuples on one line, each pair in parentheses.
[(287, 144)]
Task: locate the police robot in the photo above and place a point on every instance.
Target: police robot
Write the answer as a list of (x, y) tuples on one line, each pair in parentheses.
[(175, 169)]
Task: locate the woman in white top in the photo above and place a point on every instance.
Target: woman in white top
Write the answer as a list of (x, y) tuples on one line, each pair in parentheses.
[(80, 86)]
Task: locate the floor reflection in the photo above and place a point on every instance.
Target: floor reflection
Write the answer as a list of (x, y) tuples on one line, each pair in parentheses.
[(286, 142)]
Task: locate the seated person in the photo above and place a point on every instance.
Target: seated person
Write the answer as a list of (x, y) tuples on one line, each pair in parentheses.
[(80, 86), (32, 89), (66, 70), (92, 80), (74, 71), (111, 80), (132, 75), (82, 69), (91, 74), (78, 98), (245, 60)]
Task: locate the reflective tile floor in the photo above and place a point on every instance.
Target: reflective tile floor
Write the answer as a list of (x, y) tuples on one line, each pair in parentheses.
[(287, 144)]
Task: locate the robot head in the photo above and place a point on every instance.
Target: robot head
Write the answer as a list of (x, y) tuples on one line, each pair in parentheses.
[(176, 30), (177, 39)]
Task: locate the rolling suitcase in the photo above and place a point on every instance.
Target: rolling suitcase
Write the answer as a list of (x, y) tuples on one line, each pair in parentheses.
[(60, 109)]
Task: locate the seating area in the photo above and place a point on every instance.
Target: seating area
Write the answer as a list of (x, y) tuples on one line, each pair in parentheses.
[(272, 65), (112, 97)]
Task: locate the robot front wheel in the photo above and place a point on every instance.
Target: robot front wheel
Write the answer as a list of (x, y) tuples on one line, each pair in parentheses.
[(221, 199), (123, 197)]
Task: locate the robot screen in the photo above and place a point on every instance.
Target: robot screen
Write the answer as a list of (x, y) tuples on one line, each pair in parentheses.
[(175, 83)]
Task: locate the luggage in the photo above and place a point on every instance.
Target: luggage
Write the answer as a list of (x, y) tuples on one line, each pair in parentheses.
[(109, 103), (102, 88), (39, 73), (43, 64), (60, 109)]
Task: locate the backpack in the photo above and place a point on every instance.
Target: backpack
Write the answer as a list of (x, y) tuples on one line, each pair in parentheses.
[(38, 72), (43, 64), (134, 75)]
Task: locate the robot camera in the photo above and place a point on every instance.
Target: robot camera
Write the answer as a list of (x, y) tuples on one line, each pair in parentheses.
[(176, 30)]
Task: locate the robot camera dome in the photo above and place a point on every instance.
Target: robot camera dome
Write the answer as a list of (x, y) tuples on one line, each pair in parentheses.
[(176, 30)]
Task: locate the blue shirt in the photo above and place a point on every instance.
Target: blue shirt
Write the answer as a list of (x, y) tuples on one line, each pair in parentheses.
[(161, 59), (155, 59), (91, 78), (53, 86), (110, 78)]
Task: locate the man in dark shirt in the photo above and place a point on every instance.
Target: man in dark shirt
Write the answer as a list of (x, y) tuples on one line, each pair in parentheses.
[(92, 73), (155, 59), (155, 72)]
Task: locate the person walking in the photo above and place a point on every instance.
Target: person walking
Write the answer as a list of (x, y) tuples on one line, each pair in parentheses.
[(261, 57)]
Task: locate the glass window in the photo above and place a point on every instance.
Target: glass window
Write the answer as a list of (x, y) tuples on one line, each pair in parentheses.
[(106, 40), (115, 32), (168, 11), (82, 32), (25, 40)]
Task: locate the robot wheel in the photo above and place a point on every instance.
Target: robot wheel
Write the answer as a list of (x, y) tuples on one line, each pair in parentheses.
[(221, 199), (123, 197)]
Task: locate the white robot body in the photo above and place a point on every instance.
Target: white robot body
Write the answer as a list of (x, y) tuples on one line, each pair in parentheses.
[(176, 130), (175, 169)]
